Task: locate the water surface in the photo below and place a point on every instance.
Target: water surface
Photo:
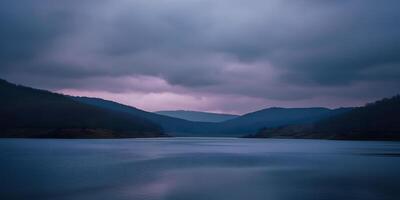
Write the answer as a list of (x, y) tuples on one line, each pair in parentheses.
[(198, 168)]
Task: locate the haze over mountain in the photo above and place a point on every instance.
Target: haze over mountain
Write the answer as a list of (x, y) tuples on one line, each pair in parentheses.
[(197, 116), (374, 121), (33, 113)]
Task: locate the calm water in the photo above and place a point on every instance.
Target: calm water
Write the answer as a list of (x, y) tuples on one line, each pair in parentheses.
[(198, 168)]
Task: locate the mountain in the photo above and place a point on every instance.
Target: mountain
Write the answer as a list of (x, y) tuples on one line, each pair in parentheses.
[(172, 126), (28, 112), (274, 117), (33, 113), (197, 116), (374, 121), (237, 127)]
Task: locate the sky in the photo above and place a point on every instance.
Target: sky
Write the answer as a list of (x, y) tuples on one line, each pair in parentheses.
[(232, 56)]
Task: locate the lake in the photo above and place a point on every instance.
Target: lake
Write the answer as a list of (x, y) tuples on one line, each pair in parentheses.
[(199, 169)]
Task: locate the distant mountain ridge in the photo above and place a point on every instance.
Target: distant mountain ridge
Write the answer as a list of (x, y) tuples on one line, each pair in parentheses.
[(247, 124), (197, 116), (33, 113), (376, 121), (171, 125), (112, 113)]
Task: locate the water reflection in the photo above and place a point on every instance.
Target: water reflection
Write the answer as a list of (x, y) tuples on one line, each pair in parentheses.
[(198, 168)]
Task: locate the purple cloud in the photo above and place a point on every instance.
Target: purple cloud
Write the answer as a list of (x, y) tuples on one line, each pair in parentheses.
[(225, 56)]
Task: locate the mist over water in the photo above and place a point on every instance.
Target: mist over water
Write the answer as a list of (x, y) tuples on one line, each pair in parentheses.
[(198, 168)]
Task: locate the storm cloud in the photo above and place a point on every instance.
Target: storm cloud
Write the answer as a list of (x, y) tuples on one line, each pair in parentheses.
[(228, 55)]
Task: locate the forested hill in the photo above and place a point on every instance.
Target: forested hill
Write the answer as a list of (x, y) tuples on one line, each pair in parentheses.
[(28, 112), (275, 117), (378, 120)]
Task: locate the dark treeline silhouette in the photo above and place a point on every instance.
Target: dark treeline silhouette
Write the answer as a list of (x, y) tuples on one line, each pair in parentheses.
[(28, 112), (374, 121)]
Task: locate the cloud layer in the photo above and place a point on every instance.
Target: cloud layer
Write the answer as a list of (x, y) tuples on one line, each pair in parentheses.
[(228, 55)]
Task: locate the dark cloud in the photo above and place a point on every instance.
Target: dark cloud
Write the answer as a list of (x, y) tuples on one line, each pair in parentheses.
[(277, 50)]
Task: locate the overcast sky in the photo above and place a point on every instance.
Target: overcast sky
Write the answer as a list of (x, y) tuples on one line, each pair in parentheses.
[(232, 56)]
